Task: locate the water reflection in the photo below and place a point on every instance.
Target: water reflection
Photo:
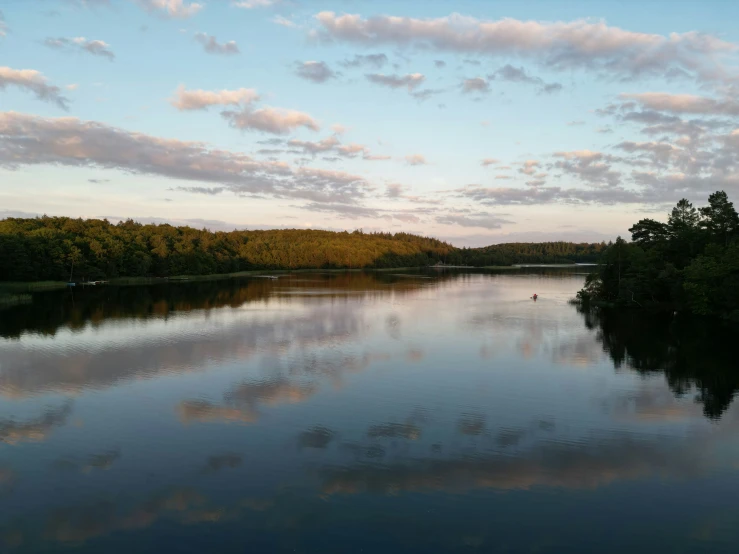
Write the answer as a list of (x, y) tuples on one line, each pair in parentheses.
[(318, 412), (696, 356), (13, 431)]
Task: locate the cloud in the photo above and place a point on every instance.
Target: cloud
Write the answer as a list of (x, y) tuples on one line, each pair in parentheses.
[(481, 219), (536, 195), (212, 46), (363, 60), (415, 159), (592, 167), (426, 93), (684, 103), (332, 144), (184, 99), (489, 161), (475, 84), (68, 141), (280, 20), (251, 4), (394, 190), (575, 123), (439, 63), (279, 121), (32, 81), (518, 75), (170, 9), (81, 44), (410, 81), (318, 72), (560, 45), (529, 167)]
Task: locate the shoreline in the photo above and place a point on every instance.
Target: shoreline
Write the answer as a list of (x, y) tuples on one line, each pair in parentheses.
[(36, 286)]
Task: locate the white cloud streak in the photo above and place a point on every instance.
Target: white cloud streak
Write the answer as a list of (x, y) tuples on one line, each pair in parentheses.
[(184, 99), (410, 81), (278, 121), (684, 103), (32, 81), (415, 159), (559, 45), (81, 44), (171, 9)]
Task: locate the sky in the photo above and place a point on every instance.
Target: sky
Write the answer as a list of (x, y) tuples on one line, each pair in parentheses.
[(476, 122)]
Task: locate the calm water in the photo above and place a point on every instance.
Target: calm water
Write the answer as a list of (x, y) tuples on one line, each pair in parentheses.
[(363, 413)]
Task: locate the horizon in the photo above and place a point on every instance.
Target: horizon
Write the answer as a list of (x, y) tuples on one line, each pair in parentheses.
[(472, 123)]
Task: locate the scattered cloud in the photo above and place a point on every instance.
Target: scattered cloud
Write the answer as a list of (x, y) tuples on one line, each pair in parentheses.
[(410, 81), (475, 84), (518, 75), (426, 93), (575, 123), (184, 99), (31, 140), (685, 103), (529, 167), (561, 45), (171, 9), (279, 121), (333, 145), (589, 166), (280, 20), (415, 159), (251, 4), (489, 161), (439, 63), (32, 81), (212, 46), (365, 60), (317, 72), (81, 44)]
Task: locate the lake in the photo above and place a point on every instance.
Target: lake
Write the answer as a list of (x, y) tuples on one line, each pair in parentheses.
[(363, 412)]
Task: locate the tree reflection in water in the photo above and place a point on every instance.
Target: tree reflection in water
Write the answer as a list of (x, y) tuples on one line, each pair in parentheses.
[(694, 354)]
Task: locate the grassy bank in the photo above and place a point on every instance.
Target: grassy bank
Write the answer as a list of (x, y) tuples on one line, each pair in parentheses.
[(31, 286)]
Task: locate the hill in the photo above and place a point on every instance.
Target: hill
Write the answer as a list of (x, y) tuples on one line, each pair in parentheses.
[(52, 248)]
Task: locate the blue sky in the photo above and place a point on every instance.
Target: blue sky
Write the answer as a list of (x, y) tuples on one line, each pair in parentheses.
[(476, 122)]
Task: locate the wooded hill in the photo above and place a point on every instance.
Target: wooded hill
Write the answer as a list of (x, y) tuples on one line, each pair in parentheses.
[(53, 248)]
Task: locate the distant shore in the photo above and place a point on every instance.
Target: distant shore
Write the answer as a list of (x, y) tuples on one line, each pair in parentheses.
[(34, 286)]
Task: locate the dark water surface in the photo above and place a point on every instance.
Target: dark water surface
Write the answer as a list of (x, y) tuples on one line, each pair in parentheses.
[(363, 413)]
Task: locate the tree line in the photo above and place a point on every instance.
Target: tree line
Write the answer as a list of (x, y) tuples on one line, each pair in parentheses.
[(62, 248), (690, 263)]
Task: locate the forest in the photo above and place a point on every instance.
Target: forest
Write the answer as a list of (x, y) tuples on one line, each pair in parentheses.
[(689, 264), (62, 248)]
